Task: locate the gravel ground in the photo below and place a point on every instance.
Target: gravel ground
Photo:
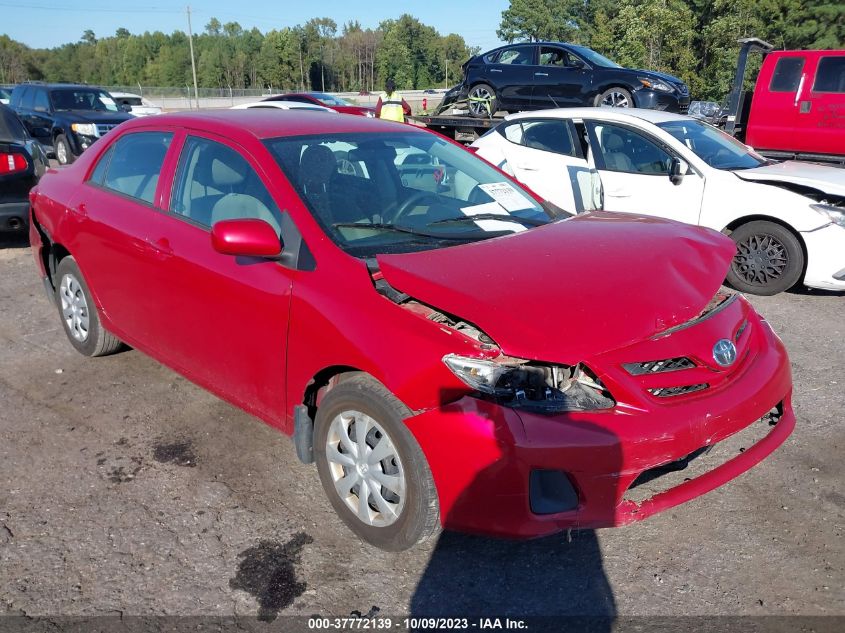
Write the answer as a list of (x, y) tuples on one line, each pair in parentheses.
[(125, 489)]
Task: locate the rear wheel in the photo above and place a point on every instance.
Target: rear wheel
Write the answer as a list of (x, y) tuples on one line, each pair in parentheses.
[(768, 259), (79, 314), (371, 467), (63, 152), (615, 98), (483, 103)]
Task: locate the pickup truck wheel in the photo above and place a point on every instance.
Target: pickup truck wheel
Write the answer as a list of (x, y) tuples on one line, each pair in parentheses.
[(483, 103), (371, 467), (79, 314), (63, 152), (615, 98), (768, 259)]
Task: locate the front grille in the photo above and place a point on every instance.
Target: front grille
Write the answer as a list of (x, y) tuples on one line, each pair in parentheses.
[(683, 108), (659, 366), (740, 331), (669, 392), (104, 128)]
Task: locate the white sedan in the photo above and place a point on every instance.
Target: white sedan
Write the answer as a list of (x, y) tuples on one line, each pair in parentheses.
[(137, 104), (282, 105), (787, 219)]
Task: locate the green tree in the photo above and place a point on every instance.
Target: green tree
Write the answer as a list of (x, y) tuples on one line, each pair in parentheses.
[(536, 20)]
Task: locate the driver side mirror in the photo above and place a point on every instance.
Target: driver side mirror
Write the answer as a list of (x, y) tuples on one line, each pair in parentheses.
[(677, 170), (246, 237)]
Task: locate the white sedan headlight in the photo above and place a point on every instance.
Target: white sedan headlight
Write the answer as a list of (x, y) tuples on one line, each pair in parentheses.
[(832, 213)]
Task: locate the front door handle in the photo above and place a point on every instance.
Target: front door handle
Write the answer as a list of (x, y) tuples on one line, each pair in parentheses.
[(79, 210), (541, 74), (619, 193), (160, 248), (495, 70)]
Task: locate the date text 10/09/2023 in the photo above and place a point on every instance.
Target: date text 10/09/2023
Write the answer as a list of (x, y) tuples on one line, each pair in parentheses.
[(415, 624)]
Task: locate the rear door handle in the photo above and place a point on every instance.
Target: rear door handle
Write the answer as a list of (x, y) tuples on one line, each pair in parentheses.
[(495, 70), (541, 74), (619, 193), (79, 210)]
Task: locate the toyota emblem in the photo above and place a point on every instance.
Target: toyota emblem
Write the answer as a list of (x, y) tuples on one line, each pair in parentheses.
[(724, 352)]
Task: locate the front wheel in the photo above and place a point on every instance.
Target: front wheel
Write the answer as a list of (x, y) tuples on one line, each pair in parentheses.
[(63, 152), (768, 259), (483, 103), (371, 467), (615, 98)]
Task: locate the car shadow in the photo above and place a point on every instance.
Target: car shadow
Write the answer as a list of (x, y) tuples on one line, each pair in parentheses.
[(559, 575), (14, 240), (803, 291)]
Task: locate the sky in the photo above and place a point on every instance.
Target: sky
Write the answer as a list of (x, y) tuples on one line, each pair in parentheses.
[(49, 23)]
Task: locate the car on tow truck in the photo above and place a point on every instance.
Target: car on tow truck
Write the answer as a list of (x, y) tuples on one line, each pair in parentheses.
[(448, 350)]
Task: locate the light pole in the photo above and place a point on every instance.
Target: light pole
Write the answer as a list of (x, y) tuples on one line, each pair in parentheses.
[(193, 64)]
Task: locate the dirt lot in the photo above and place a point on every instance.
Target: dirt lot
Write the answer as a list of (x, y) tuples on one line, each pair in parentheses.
[(124, 489)]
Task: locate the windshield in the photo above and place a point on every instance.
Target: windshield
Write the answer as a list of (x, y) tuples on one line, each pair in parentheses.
[(82, 99), (593, 57), (329, 100), (403, 191), (714, 147)]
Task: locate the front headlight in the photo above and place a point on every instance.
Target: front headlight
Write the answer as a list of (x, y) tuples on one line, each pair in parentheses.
[(834, 214), (526, 384), (655, 84), (86, 129)]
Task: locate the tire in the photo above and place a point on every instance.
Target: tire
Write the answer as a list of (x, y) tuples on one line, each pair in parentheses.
[(414, 514), (478, 109), (64, 154), (79, 313), (615, 97), (769, 259)]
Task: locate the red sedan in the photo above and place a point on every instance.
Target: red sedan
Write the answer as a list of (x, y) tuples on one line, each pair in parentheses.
[(324, 99), (445, 348)]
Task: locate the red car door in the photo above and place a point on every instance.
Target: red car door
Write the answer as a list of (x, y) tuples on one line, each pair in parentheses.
[(112, 211), (221, 320)]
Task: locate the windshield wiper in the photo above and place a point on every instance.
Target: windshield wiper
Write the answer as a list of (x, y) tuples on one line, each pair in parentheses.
[(381, 226), (490, 216)]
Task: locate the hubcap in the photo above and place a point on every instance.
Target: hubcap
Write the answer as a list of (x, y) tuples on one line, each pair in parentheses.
[(74, 307), (479, 101), (366, 468), (616, 100), (761, 259), (61, 153)]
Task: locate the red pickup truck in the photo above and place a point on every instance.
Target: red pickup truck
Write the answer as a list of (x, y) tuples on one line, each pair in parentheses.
[(797, 109)]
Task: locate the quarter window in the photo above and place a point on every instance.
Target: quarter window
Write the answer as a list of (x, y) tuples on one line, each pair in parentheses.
[(624, 150), (102, 165), (214, 182), (135, 164), (42, 104), (830, 76), (787, 75)]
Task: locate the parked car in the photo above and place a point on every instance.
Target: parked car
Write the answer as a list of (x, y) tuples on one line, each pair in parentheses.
[(21, 165), (66, 118), (787, 219), (444, 348), (138, 106), (282, 105), (539, 75), (5, 94), (324, 99)]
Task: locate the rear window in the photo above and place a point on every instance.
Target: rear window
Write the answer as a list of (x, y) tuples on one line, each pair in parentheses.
[(830, 76), (787, 74), (11, 128), (136, 163)]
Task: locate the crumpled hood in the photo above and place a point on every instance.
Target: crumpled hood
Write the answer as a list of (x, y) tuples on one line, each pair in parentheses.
[(570, 290), (822, 177)]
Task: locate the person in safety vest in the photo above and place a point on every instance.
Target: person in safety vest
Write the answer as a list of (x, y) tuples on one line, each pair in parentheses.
[(391, 105)]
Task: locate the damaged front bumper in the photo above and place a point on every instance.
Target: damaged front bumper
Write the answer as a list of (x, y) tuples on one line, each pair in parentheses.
[(491, 463), (825, 257)]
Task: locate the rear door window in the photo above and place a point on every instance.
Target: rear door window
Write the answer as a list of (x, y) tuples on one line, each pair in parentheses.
[(830, 75), (136, 163), (787, 74), (549, 135), (517, 55), (42, 103)]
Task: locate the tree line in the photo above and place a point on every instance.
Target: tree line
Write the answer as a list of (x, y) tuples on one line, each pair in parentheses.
[(693, 39), (313, 56)]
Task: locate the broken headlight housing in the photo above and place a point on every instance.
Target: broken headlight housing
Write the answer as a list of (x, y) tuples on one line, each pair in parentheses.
[(525, 384)]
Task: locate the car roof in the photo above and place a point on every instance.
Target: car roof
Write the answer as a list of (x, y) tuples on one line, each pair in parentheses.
[(605, 114), (123, 94), (263, 123)]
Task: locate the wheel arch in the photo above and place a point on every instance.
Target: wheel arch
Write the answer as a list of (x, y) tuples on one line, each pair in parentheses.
[(735, 224)]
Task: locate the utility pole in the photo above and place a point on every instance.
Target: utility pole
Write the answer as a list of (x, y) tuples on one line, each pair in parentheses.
[(447, 72), (193, 64)]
